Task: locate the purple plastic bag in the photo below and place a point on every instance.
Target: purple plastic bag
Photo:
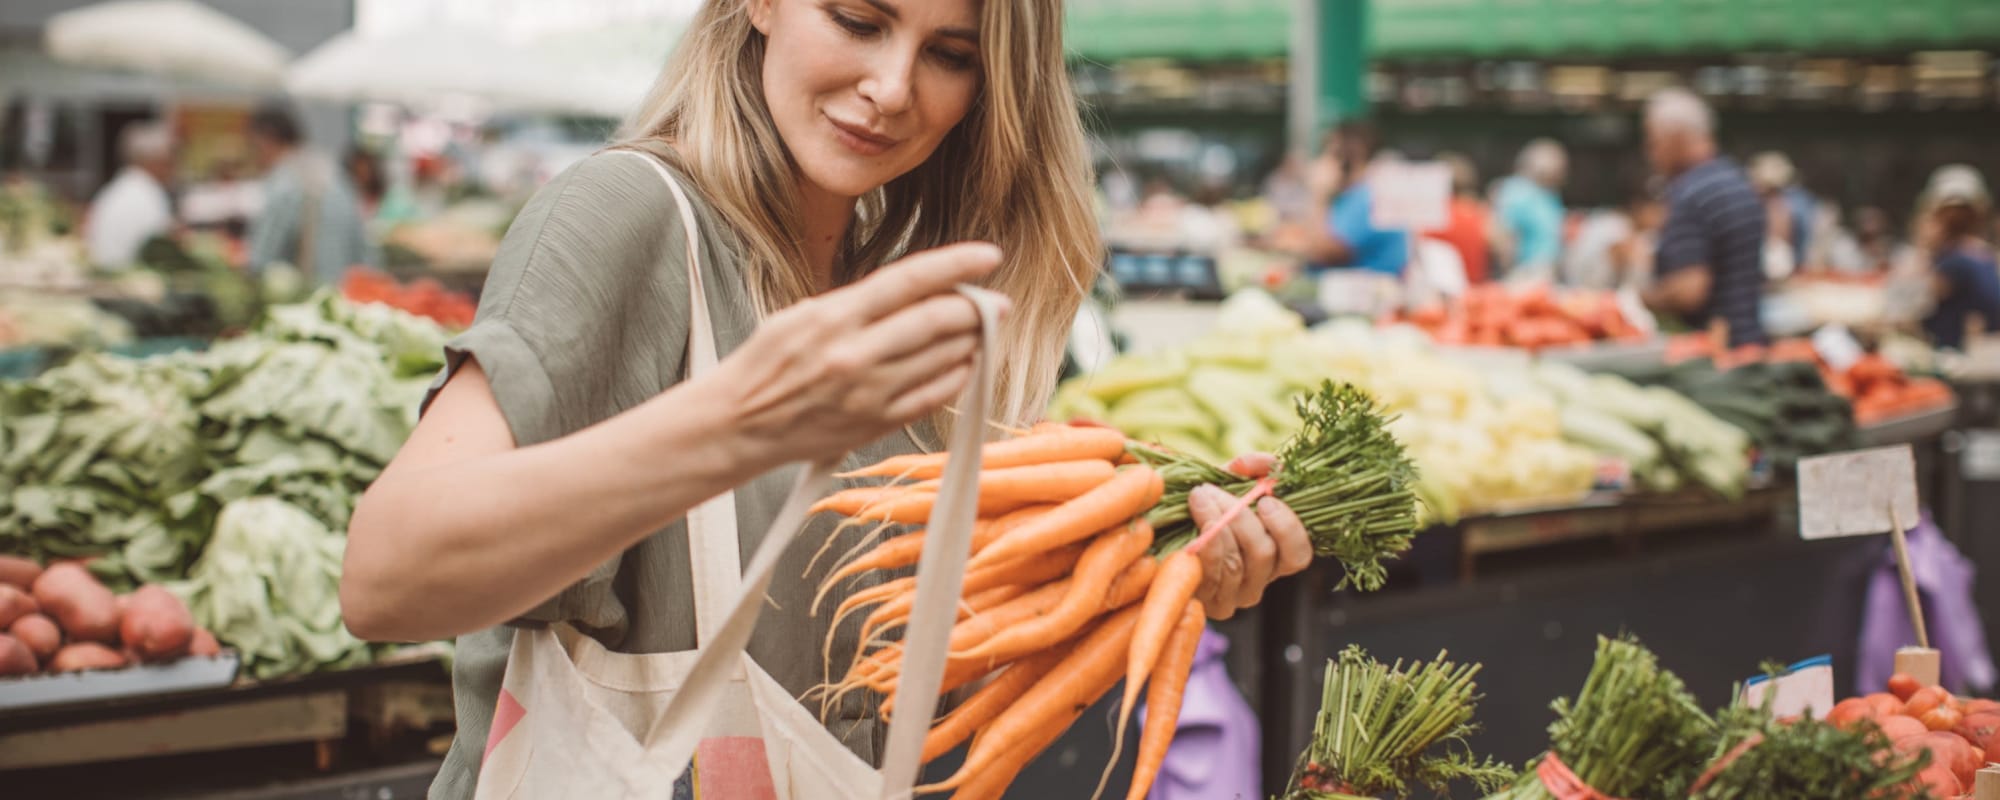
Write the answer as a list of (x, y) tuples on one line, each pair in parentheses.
[(1944, 581), (1215, 754)]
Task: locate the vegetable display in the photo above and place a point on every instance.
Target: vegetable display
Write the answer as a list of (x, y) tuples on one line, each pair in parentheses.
[(1528, 317), (1959, 735), (1083, 572), (1878, 389), (424, 297), (1384, 729), (62, 619), (1633, 731), (137, 465), (1759, 758), (1475, 448), (1784, 406)]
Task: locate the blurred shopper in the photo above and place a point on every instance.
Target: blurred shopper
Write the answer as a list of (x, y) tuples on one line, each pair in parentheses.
[(1467, 225), (1710, 264), (1338, 179), (364, 172), (134, 207), (1965, 277), (1791, 213), (1529, 204), (311, 218)]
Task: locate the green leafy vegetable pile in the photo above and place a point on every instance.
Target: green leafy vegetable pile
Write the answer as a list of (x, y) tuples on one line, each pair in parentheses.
[(1760, 758), (147, 466)]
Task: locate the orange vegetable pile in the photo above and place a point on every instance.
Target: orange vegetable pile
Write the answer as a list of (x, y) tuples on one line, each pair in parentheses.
[(1062, 599), (1879, 390), (423, 297), (1960, 735), (1533, 318), (61, 619)]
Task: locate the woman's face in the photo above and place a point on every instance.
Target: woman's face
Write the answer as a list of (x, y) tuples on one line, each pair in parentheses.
[(862, 91)]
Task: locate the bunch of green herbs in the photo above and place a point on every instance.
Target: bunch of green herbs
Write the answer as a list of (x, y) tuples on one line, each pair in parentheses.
[(1346, 477), (1385, 729), (1633, 731)]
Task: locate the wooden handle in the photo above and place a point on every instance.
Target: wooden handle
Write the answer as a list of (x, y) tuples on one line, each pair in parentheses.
[(1909, 581)]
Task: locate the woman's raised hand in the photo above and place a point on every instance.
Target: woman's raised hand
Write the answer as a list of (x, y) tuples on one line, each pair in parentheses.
[(847, 367)]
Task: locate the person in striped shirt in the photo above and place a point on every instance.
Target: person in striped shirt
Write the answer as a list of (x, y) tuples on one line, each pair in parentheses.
[(1710, 265)]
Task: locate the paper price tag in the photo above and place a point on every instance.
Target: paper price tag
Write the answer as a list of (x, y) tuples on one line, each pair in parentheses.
[(1413, 196), (1806, 689), (1851, 494), (1837, 346)]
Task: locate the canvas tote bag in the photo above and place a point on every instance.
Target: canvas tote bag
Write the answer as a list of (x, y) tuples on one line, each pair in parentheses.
[(565, 723)]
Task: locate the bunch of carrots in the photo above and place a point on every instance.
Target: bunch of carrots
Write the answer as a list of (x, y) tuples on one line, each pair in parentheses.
[(1083, 573)]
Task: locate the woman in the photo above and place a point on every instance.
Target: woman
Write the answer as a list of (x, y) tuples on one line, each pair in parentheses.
[(847, 161), (1964, 277)]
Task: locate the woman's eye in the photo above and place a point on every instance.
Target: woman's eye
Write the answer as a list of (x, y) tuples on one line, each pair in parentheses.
[(854, 26), (954, 60)]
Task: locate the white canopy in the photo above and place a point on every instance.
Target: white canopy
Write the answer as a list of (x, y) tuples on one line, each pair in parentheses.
[(424, 69), (179, 38)]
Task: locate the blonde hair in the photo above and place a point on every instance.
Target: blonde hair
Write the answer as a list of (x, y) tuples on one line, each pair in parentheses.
[(1015, 172)]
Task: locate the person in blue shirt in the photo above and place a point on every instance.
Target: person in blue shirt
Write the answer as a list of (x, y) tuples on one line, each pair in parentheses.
[(1338, 182), (1965, 277), (1530, 208)]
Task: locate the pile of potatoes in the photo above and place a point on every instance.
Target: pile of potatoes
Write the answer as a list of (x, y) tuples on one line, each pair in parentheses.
[(61, 619)]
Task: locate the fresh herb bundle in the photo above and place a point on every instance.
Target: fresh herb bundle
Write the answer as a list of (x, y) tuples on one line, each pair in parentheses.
[(1633, 731), (1343, 473), (1759, 758), (1384, 729)]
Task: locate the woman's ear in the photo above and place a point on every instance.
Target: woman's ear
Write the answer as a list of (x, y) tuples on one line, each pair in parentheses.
[(760, 15)]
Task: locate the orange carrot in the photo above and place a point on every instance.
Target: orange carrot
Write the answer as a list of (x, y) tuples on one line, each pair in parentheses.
[(1043, 712), (987, 703), (1126, 590), (1041, 446), (1128, 495), (1030, 572), (1048, 483), (1166, 600), (1163, 699), (880, 504), (1089, 586)]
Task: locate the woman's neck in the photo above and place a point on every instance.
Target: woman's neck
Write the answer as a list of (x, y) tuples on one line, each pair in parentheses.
[(826, 217)]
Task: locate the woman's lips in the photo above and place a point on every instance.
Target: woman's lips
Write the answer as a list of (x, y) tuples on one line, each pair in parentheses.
[(860, 140)]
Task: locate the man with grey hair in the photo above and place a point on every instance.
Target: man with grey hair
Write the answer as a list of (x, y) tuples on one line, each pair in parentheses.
[(1530, 209), (1710, 267), (134, 207)]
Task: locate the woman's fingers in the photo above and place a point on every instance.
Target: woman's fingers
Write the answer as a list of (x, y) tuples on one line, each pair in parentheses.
[(913, 329), (1252, 465), (1260, 557), (1288, 534), (900, 376), (931, 396), (903, 284), (1221, 560)]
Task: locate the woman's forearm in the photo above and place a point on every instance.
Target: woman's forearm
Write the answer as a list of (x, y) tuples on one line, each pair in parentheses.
[(457, 547)]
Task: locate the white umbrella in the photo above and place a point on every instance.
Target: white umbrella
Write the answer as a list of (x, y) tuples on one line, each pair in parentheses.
[(613, 68), (179, 38), (425, 69)]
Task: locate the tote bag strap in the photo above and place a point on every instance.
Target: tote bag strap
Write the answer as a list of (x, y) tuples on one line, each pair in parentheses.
[(940, 572), (713, 549)]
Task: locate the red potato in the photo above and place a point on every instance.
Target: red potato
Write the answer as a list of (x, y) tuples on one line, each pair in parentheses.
[(156, 625), (15, 604), (84, 656), (1939, 782), (86, 610), (19, 572), (15, 658), (1850, 711), (1954, 752), (39, 633), (204, 644), (1983, 731), (1885, 704)]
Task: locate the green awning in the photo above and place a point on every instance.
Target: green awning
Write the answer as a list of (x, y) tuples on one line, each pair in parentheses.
[(1189, 30), (1209, 30)]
